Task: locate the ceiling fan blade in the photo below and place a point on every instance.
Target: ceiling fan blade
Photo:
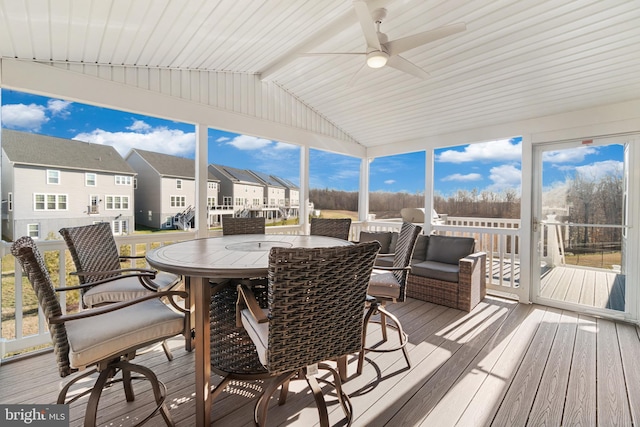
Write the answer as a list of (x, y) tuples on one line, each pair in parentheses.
[(358, 74), (367, 24), (396, 47), (399, 63)]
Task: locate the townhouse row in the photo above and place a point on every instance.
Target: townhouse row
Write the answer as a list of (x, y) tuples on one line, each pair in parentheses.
[(49, 183)]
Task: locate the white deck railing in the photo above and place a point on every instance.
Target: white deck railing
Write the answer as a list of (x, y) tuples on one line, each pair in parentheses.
[(500, 239)]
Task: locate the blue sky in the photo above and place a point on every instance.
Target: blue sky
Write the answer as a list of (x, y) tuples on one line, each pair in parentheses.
[(494, 166)]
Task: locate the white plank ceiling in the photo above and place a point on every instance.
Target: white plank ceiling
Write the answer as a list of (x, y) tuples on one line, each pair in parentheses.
[(517, 60)]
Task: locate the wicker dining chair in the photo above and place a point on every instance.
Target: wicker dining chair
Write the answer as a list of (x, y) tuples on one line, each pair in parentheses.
[(315, 313), (232, 225), (95, 255), (105, 338), (388, 285), (331, 227)]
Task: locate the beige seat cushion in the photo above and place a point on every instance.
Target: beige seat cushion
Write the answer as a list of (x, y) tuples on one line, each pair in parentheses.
[(383, 284), (258, 332), (97, 338), (125, 289)]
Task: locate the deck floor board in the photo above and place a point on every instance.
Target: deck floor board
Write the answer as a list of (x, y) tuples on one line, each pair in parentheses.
[(502, 364)]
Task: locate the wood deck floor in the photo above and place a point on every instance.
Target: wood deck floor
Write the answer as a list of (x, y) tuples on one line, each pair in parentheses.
[(587, 286), (503, 364)]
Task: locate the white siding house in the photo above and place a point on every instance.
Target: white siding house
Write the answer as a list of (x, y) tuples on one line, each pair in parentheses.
[(240, 189), (274, 195), (165, 190), (292, 197), (50, 183)]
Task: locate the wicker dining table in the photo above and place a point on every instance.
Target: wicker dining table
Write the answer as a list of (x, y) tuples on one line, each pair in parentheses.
[(217, 258)]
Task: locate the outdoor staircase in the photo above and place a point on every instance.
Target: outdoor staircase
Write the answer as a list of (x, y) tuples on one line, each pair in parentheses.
[(182, 220)]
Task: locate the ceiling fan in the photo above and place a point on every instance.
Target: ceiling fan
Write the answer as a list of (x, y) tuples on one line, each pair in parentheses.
[(381, 52)]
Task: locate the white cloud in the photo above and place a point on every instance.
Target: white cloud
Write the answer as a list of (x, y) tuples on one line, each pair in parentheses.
[(505, 177), (572, 155), (246, 142), (20, 116), (223, 139), (492, 151), (139, 126), (160, 139), (390, 181), (58, 107), (463, 178), (598, 170)]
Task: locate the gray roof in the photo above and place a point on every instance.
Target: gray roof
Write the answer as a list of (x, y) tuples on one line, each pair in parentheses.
[(239, 175), (48, 151), (268, 179), (168, 165), (286, 182)]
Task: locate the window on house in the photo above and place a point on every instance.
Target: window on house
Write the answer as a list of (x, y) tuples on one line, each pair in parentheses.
[(50, 202), (178, 184), (10, 202), (226, 200), (123, 180), (168, 221), (90, 179), (178, 201), (53, 176), (117, 202), (33, 230), (212, 185), (115, 227), (135, 183), (211, 202), (239, 201)]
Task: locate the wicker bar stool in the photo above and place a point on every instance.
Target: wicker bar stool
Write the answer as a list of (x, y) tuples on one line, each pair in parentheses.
[(316, 303), (388, 285), (331, 227), (95, 255), (105, 338)]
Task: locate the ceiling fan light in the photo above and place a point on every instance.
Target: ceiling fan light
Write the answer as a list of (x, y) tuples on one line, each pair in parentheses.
[(377, 59)]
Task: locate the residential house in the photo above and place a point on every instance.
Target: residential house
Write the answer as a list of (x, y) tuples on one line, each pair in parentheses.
[(241, 189), (49, 183), (274, 195), (291, 197), (166, 191)]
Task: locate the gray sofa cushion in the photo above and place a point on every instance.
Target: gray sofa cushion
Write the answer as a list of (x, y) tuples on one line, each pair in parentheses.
[(384, 260), (449, 249), (436, 270), (382, 237), (420, 251)]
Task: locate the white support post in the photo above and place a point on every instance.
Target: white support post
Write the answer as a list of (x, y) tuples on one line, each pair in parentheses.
[(363, 194), (303, 218), (526, 218), (428, 190), (202, 229)]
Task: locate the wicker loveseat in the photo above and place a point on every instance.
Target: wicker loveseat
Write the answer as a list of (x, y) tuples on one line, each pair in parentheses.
[(444, 269)]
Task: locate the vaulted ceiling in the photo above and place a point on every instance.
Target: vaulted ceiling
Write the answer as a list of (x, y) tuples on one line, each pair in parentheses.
[(517, 59)]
